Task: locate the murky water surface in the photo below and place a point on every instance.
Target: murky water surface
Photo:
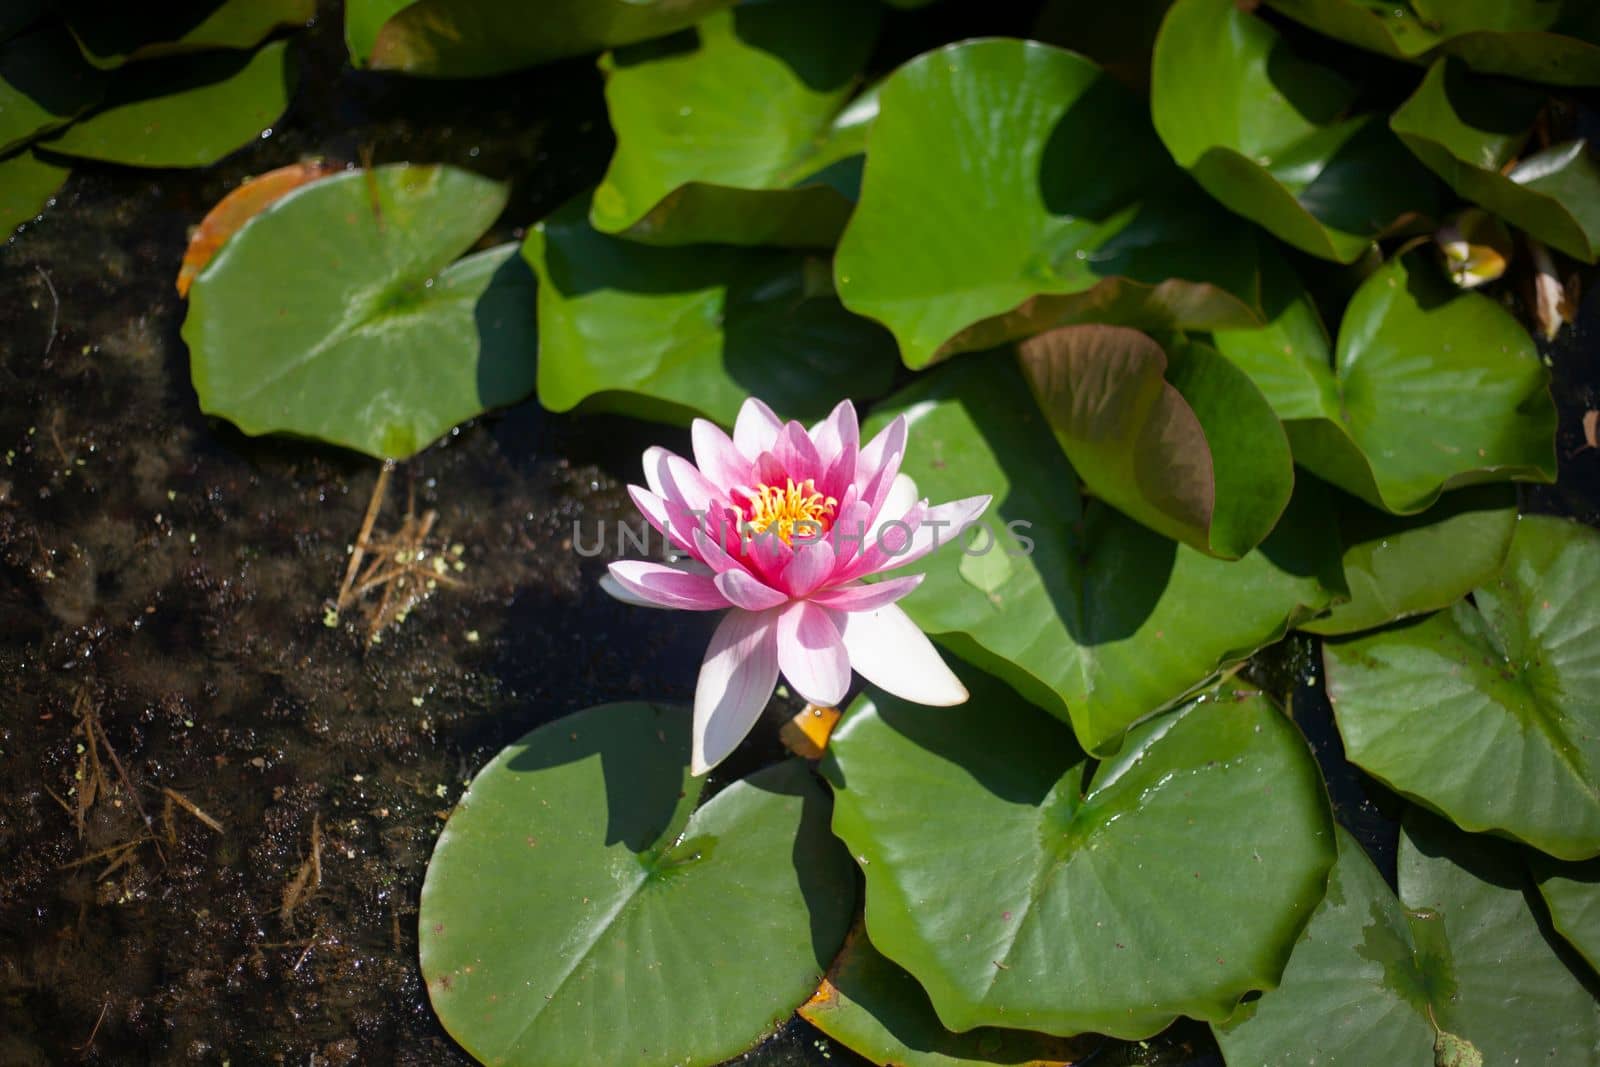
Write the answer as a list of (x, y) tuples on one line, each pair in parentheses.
[(163, 582)]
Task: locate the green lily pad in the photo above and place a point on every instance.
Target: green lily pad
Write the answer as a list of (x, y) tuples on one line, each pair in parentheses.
[(1464, 970), (1430, 388), (112, 34), (1190, 449), (26, 185), (44, 84), (672, 332), (1269, 134), (1400, 566), (1469, 130), (749, 138), (876, 1010), (340, 312), (1063, 895), (1557, 43), (579, 909), (1490, 712), (1572, 893), (475, 38), (1092, 616), (979, 222), (188, 111)]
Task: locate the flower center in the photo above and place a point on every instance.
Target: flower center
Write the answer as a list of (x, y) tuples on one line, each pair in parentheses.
[(781, 509)]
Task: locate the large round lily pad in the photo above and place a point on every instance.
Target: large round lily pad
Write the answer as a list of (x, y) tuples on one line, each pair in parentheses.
[(672, 332), (1572, 893), (340, 312), (1087, 613), (1458, 962), (979, 221), (1430, 388), (1551, 41), (751, 137), (474, 38), (877, 1010), (187, 111), (1472, 132), (1025, 885), (1398, 566), (579, 909), (1270, 135), (1490, 712), (1187, 446)]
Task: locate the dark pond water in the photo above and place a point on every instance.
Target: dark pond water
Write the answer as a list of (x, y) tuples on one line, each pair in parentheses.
[(162, 591)]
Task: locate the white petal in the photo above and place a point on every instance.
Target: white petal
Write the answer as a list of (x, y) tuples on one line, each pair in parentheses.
[(736, 681), (902, 497), (811, 655), (756, 429), (889, 651)]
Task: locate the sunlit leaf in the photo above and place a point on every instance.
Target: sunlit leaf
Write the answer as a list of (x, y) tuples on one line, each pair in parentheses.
[(239, 207), (1026, 885), (1489, 712), (579, 909)]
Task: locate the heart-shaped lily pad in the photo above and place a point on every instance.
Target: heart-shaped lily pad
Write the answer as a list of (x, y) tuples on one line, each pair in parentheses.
[(579, 909), (1377, 981), (474, 38), (1087, 613), (26, 185), (229, 215), (44, 84), (1190, 448), (1471, 131), (877, 1010), (1400, 566), (1064, 895), (672, 332), (1429, 389), (187, 111), (370, 334), (113, 34), (1552, 41), (748, 138), (1490, 712), (1572, 893), (1270, 135), (979, 221)]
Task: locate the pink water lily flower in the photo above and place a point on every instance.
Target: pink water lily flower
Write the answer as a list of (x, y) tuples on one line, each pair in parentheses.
[(781, 525)]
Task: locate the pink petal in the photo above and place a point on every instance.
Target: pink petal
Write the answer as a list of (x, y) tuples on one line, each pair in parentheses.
[(929, 528), (840, 477), (748, 592), (811, 566), (667, 586), (710, 545), (756, 429), (797, 455), (683, 483), (889, 651), (837, 432), (655, 461), (901, 498), (716, 457), (668, 519), (883, 451), (768, 555), (736, 680), (812, 655), (867, 597)]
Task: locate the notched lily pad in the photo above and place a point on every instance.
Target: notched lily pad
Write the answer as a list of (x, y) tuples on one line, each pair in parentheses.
[(979, 222), (1270, 135), (372, 334), (1472, 132), (577, 881), (1429, 389), (1088, 614), (187, 111), (668, 333), (476, 38), (1064, 895), (252, 197), (1190, 449), (1489, 712), (751, 136), (1422, 979)]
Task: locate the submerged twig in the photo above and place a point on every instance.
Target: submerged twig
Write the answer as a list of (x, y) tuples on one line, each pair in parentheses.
[(55, 313)]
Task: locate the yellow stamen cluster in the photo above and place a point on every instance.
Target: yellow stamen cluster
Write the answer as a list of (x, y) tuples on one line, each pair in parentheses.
[(779, 510)]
